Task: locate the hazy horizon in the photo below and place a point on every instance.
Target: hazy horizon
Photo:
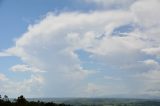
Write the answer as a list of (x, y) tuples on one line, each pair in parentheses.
[(80, 48)]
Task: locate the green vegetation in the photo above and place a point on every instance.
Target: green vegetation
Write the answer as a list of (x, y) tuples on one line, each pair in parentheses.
[(21, 101)]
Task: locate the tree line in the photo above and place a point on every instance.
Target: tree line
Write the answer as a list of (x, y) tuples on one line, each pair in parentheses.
[(22, 101)]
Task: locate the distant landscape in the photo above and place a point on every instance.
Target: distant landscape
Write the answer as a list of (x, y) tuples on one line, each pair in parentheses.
[(102, 101), (22, 101)]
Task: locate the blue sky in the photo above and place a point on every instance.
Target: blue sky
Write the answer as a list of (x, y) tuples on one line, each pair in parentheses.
[(20, 14), (80, 48)]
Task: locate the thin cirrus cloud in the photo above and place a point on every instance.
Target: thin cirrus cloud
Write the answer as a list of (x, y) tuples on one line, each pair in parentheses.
[(51, 45)]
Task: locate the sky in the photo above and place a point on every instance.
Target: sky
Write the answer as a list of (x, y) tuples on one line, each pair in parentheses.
[(80, 48)]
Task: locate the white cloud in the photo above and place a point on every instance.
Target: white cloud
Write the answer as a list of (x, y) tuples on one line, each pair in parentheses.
[(152, 51), (78, 73), (52, 43), (112, 3), (3, 77), (142, 8), (151, 62), (30, 87), (24, 68)]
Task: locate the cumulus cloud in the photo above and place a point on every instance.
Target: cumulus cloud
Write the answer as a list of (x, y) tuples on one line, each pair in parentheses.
[(30, 87), (142, 8), (51, 45)]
